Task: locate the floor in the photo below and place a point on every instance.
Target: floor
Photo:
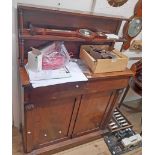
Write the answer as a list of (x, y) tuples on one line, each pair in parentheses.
[(97, 147)]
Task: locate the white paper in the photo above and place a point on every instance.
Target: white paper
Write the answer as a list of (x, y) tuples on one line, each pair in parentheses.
[(76, 75), (112, 36), (48, 74)]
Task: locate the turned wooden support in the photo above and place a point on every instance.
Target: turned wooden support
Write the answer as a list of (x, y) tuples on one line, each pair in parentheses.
[(21, 48)]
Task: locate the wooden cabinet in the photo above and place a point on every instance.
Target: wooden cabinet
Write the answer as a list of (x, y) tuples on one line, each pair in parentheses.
[(53, 117), (65, 115)]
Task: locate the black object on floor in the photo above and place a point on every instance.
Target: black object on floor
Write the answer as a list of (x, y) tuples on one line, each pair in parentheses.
[(114, 141), (121, 139)]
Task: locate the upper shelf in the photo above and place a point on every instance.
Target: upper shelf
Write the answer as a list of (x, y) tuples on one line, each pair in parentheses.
[(66, 19), (62, 38), (52, 18), (73, 12)]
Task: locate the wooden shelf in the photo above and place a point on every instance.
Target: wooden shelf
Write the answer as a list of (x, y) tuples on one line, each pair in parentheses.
[(75, 39), (30, 18), (73, 12)]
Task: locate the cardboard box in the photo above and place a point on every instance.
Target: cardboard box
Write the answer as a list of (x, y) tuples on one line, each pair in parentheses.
[(103, 65), (136, 45), (35, 60)]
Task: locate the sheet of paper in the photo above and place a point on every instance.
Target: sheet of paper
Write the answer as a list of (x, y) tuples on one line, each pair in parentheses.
[(76, 75), (48, 74), (84, 68)]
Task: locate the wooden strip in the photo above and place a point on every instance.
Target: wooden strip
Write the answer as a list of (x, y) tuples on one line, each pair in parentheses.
[(29, 126), (21, 48), (105, 115), (24, 78), (64, 38), (67, 144), (112, 107), (125, 73), (74, 114)]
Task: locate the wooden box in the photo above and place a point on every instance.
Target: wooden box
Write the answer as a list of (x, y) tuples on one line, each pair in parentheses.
[(103, 65)]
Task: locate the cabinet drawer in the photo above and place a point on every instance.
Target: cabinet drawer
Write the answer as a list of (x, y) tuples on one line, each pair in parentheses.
[(57, 91), (103, 85)]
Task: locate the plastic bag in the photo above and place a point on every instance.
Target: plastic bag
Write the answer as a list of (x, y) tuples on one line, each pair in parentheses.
[(55, 56)]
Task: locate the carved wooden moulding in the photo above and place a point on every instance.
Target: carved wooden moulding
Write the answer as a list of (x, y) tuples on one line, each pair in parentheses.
[(117, 3)]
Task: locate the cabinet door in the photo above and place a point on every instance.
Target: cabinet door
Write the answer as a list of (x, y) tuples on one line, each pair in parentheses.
[(52, 120), (91, 112)]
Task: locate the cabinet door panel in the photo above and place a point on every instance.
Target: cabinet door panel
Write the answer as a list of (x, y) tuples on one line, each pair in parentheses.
[(52, 120), (91, 111)]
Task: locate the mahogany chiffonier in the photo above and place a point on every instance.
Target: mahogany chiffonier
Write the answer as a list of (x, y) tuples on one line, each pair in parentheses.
[(65, 115)]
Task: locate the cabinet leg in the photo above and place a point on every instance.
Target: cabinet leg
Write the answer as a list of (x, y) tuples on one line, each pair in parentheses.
[(124, 95)]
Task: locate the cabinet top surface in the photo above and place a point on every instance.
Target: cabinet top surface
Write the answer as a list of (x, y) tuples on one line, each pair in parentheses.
[(126, 73)]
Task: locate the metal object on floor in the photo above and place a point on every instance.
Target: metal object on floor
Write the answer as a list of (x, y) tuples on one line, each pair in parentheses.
[(118, 121)]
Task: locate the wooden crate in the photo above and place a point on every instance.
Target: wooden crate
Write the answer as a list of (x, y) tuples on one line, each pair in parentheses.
[(103, 65)]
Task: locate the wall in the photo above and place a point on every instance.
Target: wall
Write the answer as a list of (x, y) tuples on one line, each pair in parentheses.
[(15, 75), (84, 5)]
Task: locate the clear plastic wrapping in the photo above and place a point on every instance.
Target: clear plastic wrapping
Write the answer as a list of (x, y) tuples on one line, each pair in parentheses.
[(55, 56)]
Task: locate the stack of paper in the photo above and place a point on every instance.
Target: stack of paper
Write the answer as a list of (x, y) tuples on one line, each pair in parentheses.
[(52, 77), (48, 74)]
